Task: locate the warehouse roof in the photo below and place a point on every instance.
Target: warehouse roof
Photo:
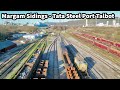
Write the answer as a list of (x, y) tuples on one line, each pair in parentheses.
[(5, 44)]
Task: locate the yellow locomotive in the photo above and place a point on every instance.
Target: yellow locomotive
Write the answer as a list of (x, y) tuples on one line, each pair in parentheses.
[(80, 64)]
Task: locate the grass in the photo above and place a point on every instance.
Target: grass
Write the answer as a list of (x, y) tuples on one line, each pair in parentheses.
[(110, 33), (23, 61), (41, 45), (103, 53)]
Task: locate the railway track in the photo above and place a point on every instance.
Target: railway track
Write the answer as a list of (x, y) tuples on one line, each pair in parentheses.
[(49, 49), (9, 65), (88, 73), (104, 61), (71, 71), (39, 72), (11, 59), (53, 69), (110, 65), (12, 63), (79, 54), (35, 65), (9, 55), (15, 55), (117, 70)]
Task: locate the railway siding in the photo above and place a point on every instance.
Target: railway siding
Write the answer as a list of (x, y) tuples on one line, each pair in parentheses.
[(62, 70), (23, 61), (108, 69)]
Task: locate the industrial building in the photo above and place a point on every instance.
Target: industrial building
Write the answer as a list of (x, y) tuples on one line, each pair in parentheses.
[(6, 45), (33, 36), (29, 36)]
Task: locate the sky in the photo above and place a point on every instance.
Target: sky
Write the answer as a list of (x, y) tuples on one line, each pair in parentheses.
[(23, 21)]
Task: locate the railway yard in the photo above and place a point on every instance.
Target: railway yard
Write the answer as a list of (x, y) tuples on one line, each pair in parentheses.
[(61, 56)]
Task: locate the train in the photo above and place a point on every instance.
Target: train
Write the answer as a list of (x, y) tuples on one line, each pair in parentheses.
[(41, 72), (30, 66), (80, 64), (65, 54), (29, 69), (101, 40), (71, 72), (79, 61), (100, 43)]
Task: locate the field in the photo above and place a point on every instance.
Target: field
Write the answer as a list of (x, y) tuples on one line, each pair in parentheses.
[(110, 33)]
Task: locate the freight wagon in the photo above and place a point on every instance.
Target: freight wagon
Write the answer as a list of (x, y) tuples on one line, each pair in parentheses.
[(114, 51), (102, 46), (65, 54), (102, 40), (30, 66), (78, 60), (41, 72), (117, 44)]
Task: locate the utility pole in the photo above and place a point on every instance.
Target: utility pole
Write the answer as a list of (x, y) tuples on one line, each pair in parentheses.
[(118, 21), (86, 23), (96, 21)]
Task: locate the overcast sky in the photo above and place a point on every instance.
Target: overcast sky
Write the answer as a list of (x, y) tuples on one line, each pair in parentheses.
[(23, 21)]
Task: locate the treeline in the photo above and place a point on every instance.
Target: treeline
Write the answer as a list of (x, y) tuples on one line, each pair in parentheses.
[(6, 30)]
